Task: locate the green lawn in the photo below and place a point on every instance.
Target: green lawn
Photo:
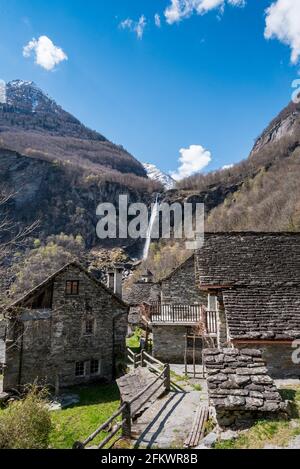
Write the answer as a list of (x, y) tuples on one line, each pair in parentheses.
[(97, 404), (271, 432), (133, 342)]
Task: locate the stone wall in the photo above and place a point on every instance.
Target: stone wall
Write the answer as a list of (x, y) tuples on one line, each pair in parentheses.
[(2, 328), (278, 358), (240, 388), (49, 348), (169, 344), (181, 287)]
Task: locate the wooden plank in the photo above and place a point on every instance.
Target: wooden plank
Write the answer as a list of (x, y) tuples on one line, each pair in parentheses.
[(198, 427), (153, 359), (152, 367)]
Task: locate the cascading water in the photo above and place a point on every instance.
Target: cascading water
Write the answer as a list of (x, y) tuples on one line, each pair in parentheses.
[(154, 213)]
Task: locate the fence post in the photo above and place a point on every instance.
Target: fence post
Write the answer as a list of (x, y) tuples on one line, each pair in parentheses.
[(134, 361), (126, 415), (78, 445), (142, 358), (167, 378)]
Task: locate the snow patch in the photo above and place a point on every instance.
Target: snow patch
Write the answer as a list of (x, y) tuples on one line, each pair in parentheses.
[(157, 175)]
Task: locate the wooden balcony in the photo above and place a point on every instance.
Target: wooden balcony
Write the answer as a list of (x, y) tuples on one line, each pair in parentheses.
[(183, 314)]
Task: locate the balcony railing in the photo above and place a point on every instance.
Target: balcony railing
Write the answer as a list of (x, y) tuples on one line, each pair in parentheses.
[(184, 314)]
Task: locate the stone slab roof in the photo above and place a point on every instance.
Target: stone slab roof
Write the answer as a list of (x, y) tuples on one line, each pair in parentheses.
[(249, 259), (141, 292), (263, 312), (238, 381), (259, 275)]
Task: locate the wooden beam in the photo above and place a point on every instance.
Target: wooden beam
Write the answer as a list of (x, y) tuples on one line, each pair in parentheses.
[(262, 341), (215, 287)]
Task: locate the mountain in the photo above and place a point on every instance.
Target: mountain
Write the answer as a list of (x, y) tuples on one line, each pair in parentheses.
[(57, 170), (157, 175), (34, 125), (261, 193)]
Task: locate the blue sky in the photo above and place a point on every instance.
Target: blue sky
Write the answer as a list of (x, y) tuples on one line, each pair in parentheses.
[(211, 79)]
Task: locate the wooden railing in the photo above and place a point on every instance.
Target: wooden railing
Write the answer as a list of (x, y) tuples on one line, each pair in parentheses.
[(173, 313), (185, 314), (127, 410), (211, 321)]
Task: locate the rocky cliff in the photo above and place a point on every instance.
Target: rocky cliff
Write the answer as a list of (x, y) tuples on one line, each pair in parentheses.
[(57, 170)]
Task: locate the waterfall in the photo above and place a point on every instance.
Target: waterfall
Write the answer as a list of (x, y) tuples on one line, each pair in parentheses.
[(154, 213)]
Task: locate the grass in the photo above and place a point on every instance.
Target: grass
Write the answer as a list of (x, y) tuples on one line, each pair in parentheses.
[(178, 378), (271, 432), (133, 342), (197, 387), (97, 404)]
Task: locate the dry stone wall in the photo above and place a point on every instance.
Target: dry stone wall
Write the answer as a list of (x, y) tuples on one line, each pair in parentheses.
[(240, 388)]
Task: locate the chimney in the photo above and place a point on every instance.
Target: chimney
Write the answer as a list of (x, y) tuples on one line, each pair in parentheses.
[(118, 279), (111, 279)]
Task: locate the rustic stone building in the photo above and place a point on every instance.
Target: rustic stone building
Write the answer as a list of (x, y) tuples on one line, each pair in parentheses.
[(143, 292), (178, 292), (69, 330), (246, 289), (255, 278)]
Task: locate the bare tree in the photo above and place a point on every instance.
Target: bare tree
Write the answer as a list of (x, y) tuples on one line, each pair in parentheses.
[(12, 237)]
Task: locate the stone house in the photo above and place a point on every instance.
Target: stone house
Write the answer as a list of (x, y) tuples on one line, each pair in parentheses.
[(178, 292), (255, 279), (143, 292), (245, 287), (69, 330)]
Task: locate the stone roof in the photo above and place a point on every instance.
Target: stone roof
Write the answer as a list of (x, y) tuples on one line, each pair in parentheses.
[(259, 274), (238, 380), (141, 292), (179, 267), (263, 312), (249, 259)]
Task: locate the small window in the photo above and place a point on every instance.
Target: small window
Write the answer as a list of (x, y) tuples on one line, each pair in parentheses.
[(79, 369), (94, 367), (72, 287), (89, 326)]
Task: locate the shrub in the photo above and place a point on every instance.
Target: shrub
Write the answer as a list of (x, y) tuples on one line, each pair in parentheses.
[(26, 424)]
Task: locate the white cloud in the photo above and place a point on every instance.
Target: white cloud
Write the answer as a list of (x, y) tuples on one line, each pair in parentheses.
[(47, 55), (180, 9), (192, 160), (283, 23), (157, 20), (137, 27)]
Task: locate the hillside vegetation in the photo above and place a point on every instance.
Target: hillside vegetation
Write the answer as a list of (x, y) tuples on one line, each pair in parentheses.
[(262, 193)]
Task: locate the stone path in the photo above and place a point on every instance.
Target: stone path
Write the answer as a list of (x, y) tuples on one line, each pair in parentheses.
[(167, 423)]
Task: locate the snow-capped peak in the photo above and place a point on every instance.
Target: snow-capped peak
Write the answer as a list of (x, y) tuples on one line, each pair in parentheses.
[(157, 175), (20, 83), (27, 95)]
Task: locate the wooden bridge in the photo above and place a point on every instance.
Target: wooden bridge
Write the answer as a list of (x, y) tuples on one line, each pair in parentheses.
[(155, 382)]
